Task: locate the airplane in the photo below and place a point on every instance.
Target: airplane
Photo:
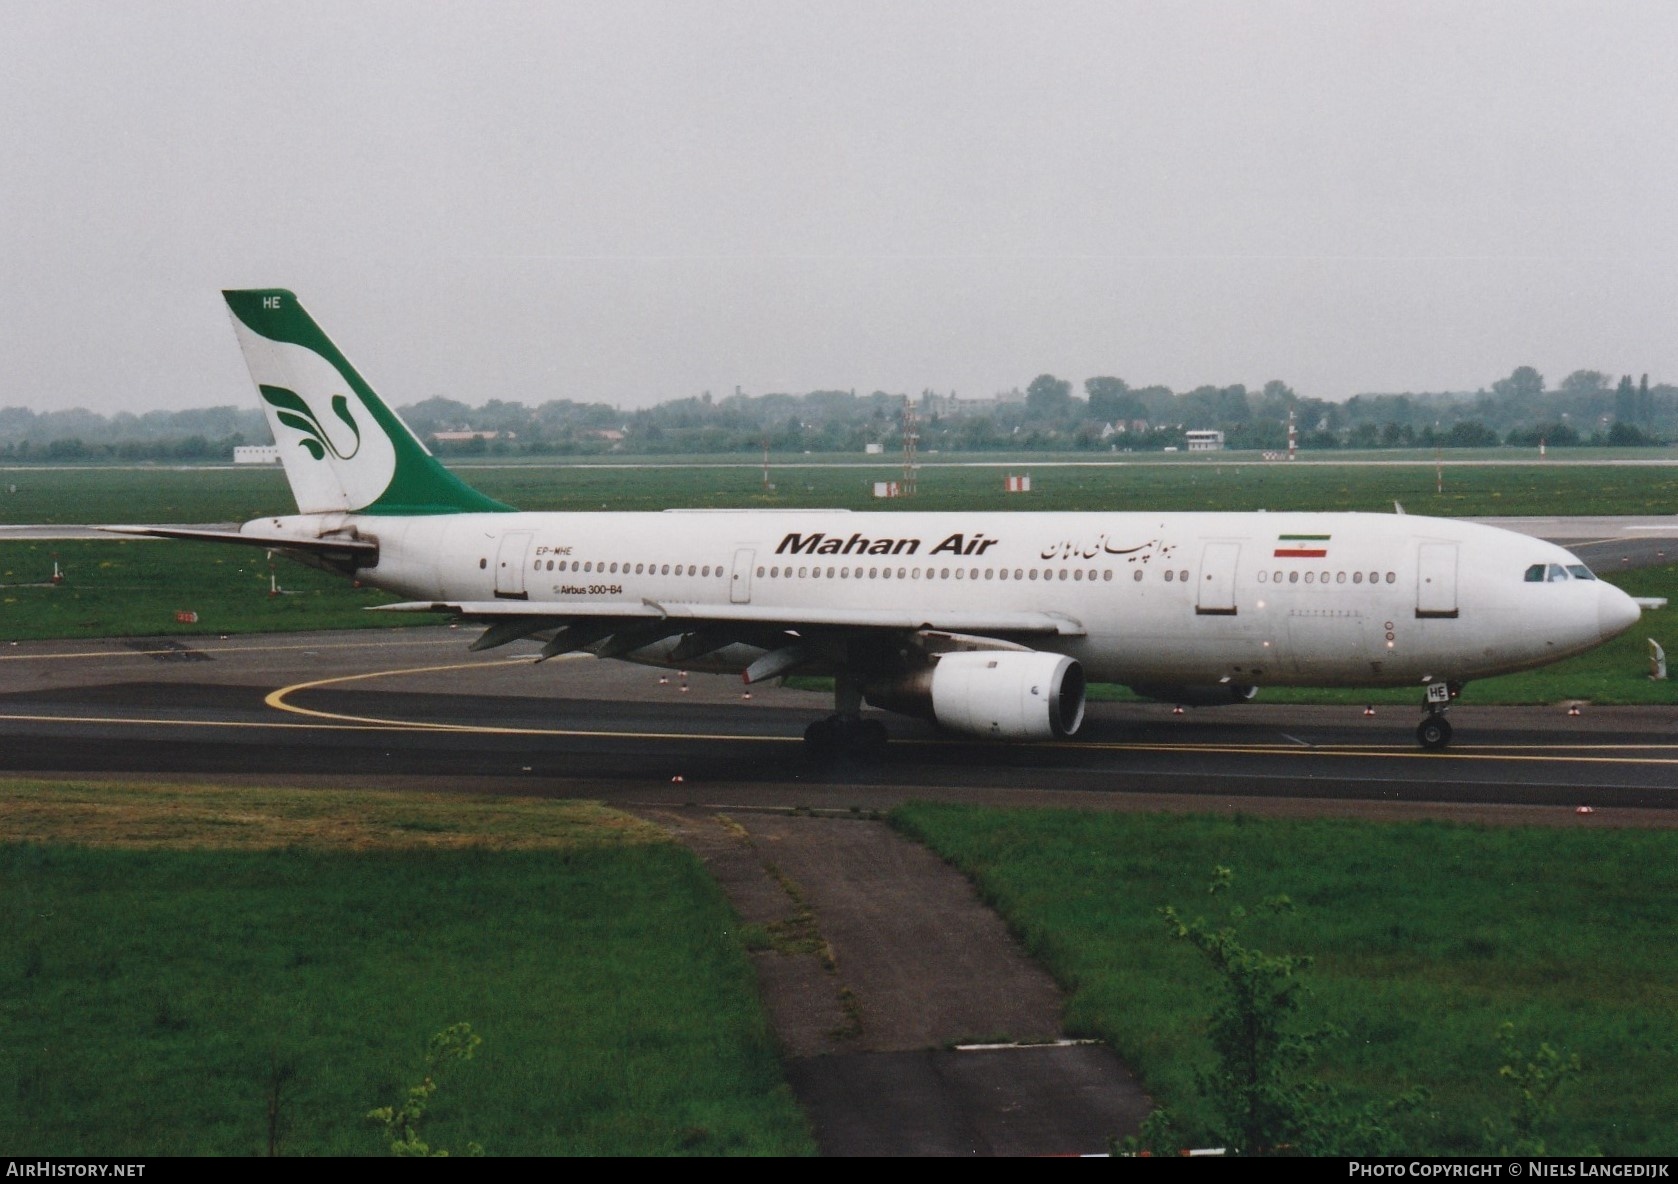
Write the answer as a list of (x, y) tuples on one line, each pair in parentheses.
[(987, 623)]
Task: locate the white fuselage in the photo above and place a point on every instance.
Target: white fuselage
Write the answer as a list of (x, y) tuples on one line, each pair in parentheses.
[(1315, 599)]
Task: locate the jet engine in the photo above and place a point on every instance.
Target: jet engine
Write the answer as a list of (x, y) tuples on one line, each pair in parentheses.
[(996, 694), (1209, 695)]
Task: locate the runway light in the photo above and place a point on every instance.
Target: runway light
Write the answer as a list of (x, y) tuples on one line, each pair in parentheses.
[(1176, 711), (746, 695), (684, 688), (1574, 710), (676, 780), (1583, 810), (1369, 711), (663, 680)]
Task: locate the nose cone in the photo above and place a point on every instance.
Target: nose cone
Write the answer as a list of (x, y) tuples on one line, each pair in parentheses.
[(1615, 611)]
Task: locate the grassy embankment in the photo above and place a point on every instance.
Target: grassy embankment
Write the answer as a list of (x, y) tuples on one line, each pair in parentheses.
[(1426, 938), (172, 960)]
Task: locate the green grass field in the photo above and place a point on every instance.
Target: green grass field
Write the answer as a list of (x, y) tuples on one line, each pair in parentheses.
[(1231, 481), (1426, 937), (173, 960)]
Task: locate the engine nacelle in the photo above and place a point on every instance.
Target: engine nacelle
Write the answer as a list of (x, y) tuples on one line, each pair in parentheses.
[(997, 694), (1210, 695)]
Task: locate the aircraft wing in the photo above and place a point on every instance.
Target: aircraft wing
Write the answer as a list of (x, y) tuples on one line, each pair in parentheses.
[(787, 617)]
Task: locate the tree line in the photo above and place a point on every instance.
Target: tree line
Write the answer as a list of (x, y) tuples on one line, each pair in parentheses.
[(1108, 414)]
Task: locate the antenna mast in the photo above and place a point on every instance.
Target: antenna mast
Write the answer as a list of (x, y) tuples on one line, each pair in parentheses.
[(911, 440)]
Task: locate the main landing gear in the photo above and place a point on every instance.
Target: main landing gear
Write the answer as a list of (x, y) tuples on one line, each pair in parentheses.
[(845, 733), (845, 736), (1434, 732)]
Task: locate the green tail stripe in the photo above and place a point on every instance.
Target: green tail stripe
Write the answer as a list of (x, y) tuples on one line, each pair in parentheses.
[(421, 484)]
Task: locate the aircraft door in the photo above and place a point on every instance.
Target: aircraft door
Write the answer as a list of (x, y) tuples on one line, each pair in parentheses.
[(509, 566), (740, 582), (1436, 580), (1217, 580)]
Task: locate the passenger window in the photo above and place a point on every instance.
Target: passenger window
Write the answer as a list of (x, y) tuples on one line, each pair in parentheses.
[(1169, 576), (1137, 575), (1357, 577)]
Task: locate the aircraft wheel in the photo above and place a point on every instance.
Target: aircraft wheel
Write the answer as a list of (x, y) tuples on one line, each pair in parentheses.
[(821, 738), (1433, 733), (870, 739), (838, 738)]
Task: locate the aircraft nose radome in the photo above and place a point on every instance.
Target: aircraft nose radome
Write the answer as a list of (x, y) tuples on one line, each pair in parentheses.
[(1615, 611)]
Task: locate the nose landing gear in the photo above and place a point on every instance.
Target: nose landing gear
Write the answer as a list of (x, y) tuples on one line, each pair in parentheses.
[(1434, 732)]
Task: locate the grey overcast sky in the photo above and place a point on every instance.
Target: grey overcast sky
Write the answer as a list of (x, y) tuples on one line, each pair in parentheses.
[(631, 201)]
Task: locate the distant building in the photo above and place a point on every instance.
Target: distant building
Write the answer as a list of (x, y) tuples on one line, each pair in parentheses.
[(1204, 441), (256, 454), (465, 434)]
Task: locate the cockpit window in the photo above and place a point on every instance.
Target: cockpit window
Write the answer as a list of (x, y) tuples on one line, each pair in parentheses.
[(1555, 573)]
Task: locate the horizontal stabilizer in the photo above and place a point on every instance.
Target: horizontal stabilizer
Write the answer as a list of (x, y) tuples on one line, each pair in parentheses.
[(319, 546)]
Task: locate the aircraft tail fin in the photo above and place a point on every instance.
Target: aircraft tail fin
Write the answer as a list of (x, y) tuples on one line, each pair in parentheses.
[(342, 448)]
